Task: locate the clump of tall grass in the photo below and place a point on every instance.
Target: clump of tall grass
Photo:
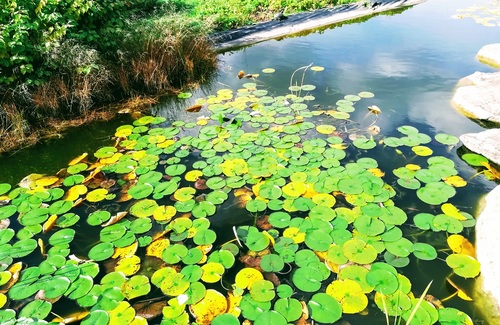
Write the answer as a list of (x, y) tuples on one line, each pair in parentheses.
[(149, 56), (163, 53)]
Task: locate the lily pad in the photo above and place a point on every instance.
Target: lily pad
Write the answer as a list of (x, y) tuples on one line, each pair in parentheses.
[(324, 308), (307, 279), (463, 265)]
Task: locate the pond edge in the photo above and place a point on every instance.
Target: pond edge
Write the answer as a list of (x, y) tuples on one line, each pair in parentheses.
[(301, 22)]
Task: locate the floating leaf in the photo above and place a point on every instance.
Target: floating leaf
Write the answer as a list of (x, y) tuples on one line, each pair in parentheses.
[(453, 316), (38, 309), (307, 279), (424, 251), (383, 281), (422, 151), (474, 159), (272, 263), (349, 294), (463, 265), (290, 308), (184, 95), (268, 70), (144, 208), (446, 139), (225, 319), (101, 251), (359, 251), (97, 195), (324, 308), (262, 291), (461, 245), (212, 305), (317, 68), (461, 293)]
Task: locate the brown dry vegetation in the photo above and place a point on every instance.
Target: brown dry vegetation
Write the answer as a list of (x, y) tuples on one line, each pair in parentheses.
[(85, 85)]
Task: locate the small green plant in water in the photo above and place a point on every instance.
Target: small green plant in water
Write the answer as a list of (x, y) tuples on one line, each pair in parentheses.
[(279, 218)]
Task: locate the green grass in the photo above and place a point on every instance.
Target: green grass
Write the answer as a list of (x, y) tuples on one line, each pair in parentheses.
[(226, 14)]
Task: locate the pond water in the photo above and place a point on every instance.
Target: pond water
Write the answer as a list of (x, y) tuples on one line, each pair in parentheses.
[(411, 60)]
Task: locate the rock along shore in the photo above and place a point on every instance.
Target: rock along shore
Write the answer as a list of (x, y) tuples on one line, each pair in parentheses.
[(478, 96)]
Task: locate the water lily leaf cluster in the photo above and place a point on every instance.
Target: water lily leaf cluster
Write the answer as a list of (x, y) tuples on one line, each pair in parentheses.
[(252, 213)]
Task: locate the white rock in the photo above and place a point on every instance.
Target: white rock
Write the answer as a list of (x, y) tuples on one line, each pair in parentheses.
[(490, 54), (487, 244), (480, 98), (486, 143)]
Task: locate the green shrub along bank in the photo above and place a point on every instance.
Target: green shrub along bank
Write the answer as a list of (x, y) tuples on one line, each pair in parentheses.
[(62, 59)]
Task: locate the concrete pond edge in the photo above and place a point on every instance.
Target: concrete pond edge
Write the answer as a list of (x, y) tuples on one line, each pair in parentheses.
[(304, 21)]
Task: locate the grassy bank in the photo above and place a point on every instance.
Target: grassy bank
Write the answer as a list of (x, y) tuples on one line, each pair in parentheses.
[(63, 60)]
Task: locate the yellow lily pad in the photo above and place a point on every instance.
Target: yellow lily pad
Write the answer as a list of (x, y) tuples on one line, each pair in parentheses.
[(213, 304)]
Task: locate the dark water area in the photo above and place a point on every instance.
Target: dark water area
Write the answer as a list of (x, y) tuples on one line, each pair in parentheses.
[(410, 60)]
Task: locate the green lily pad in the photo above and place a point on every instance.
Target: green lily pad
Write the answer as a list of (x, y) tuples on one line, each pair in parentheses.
[(463, 265), (272, 263), (424, 221), (38, 309), (324, 308), (364, 143), (279, 219), (225, 319), (383, 281), (407, 129), (431, 195), (8, 211), (290, 308), (54, 287), (307, 279), (366, 94), (251, 309), (318, 240), (101, 251), (141, 191), (424, 251), (98, 217), (359, 251), (97, 317), (173, 254), (447, 223), (396, 261), (262, 291), (474, 159), (450, 316), (34, 217), (4, 188), (401, 247), (270, 317), (62, 237), (447, 139), (23, 248)]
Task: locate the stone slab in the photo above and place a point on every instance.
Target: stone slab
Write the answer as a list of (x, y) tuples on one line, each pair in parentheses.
[(478, 96), (490, 54), (486, 143)]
